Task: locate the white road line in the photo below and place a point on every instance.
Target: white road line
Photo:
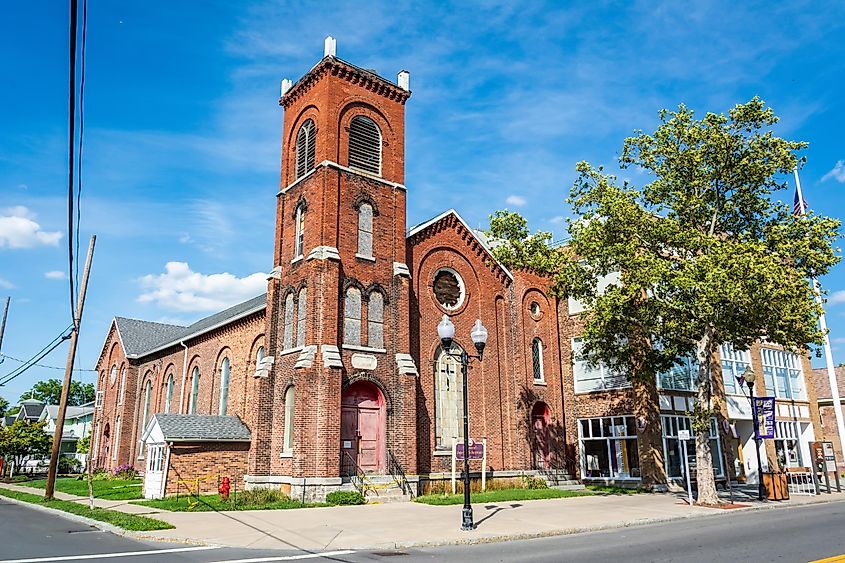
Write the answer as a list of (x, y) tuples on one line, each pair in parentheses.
[(286, 557), (106, 555)]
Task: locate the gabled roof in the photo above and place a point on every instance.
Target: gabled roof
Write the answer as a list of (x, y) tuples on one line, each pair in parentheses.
[(31, 410), (481, 240), (144, 337), (199, 428), (52, 411)]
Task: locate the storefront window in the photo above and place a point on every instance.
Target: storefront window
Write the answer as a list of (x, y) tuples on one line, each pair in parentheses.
[(672, 446), (787, 445), (609, 447)]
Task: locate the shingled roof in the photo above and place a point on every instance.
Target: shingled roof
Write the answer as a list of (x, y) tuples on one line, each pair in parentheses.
[(143, 337), (200, 428)]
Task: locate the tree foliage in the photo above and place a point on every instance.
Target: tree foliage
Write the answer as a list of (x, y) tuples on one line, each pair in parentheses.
[(24, 439), (50, 392), (704, 251), (4, 406)]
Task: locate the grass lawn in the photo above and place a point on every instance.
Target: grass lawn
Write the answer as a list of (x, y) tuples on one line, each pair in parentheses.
[(119, 519), (207, 503), (613, 490), (501, 495), (109, 489)]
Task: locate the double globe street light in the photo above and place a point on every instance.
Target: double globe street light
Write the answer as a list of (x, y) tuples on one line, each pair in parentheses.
[(478, 334)]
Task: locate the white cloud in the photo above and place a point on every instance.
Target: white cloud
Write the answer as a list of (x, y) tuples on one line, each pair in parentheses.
[(18, 229), (6, 284), (838, 172), (516, 200), (836, 297), (55, 275), (183, 290), (556, 220)]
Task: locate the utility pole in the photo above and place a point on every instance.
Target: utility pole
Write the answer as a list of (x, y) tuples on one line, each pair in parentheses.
[(3, 324), (71, 355)]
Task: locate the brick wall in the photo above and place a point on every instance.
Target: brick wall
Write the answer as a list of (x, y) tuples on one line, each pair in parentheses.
[(208, 462)]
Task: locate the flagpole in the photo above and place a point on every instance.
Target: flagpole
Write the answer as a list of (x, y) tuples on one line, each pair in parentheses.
[(828, 354)]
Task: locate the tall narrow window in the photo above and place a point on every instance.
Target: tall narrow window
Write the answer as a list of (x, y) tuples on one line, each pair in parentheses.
[(122, 385), (537, 357), (224, 386), (365, 230), (364, 145), (301, 314), (168, 400), (352, 317), (287, 444), (195, 390), (299, 234), (305, 148), (148, 393), (448, 398), (287, 339), (116, 439), (259, 356), (375, 321)]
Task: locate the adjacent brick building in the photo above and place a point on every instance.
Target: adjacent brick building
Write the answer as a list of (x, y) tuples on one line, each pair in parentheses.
[(338, 368)]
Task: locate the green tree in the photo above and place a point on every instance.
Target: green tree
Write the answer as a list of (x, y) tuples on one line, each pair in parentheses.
[(50, 392), (24, 439), (4, 406), (704, 253), (83, 444)]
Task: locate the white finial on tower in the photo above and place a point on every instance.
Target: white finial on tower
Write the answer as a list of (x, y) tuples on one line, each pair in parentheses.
[(286, 84), (403, 79), (330, 47)]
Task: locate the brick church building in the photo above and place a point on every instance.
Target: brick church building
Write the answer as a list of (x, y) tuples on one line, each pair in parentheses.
[(338, 371)]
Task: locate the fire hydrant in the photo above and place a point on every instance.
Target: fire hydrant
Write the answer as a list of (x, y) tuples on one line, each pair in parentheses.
[(225, 487)]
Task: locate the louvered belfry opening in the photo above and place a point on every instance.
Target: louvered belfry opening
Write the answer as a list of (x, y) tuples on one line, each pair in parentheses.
[(306, 144), (365, 145)]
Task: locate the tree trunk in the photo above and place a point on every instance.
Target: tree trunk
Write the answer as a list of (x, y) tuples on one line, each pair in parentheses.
[(707, 494), (649, 434)]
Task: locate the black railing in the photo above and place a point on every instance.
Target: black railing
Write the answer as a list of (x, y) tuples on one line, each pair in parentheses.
[(398, 474)]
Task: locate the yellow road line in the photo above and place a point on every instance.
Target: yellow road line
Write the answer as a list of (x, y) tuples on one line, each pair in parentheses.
[(834, 559)]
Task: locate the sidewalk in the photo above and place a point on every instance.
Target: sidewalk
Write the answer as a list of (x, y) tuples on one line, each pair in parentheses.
[(390, 526)]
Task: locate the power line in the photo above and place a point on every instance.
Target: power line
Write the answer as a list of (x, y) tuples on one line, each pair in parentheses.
[(14, 359), (52, 345), (71, 149), (81, 132)]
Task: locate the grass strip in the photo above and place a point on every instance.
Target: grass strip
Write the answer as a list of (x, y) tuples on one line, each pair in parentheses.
[(614, 490), (119, 519), (212, 502), (109, 489), (501, 495)]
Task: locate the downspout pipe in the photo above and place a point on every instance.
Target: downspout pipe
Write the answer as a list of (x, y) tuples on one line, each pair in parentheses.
[(184, 375)]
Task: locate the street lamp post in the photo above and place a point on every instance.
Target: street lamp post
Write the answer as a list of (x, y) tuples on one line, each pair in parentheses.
[(749, 378), (446, 332)]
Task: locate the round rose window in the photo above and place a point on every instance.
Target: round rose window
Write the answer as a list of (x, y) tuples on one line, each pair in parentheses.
[(448, 288)]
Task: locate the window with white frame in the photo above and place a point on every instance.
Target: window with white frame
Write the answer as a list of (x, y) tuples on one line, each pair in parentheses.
[(782, 373), (306, 143), (116, 439), (734, 364), (609, 447), (224, 386), (301, 315), (787, 443), (195, 390), (448, 397), (99, 402), (168, 399), (299, 231), (672, 445), (148, 395), (287, 338), (155, 463), (113, 374), (122, 390), (365, 230), (537, 359), (287, 442), (375, 320), (352, 317), (593, 378), (364, 145), (683, 376)]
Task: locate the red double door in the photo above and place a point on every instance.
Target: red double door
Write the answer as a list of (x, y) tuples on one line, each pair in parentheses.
[(362, 427)]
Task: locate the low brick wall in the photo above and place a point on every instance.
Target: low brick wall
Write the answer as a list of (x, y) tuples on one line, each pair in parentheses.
[(207, 461)]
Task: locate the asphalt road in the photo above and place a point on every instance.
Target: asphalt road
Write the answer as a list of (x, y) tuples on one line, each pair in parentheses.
[(799, 534)]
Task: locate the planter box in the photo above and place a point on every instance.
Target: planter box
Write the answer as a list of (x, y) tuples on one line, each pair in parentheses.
[(776, 485)]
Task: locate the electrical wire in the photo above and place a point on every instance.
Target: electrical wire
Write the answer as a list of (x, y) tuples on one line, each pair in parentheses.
[(52, 345), (81, 134), (71, 148), (14, 359)]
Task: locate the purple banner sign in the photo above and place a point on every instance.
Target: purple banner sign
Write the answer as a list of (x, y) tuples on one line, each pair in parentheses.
[(765, 409), (476, 451)]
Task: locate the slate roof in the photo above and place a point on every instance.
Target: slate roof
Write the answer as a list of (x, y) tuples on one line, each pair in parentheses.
[(71, 412), (143, 337), (201, 428), (9, 420), (32, 409)]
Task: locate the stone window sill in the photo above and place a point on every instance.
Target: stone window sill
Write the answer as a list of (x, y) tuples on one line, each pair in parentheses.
[(287, 455), (290, 350), (367, 258), (297, 259), (540, 382), (357, 348)]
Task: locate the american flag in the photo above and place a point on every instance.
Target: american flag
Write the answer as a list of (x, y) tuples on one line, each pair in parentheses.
[(799, 205)]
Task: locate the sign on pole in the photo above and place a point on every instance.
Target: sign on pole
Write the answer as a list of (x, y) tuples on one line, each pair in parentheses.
[(684, 436), (477, 451), (765, 408)]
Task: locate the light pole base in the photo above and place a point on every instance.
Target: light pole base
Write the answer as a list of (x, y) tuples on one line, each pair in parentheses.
[(466, 521)]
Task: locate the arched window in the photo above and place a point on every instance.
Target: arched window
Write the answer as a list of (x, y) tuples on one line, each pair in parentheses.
[(375, 321), (305, 148), (365, 230), (301, 314), (116, 439), (224, 386), (113, 374), (537, 357), (168, 401), (122, 391), (352, 317), (195, 390), (287, 444), (364, 145), (299, 231), (287, 338), (148, 394), (448, 398)]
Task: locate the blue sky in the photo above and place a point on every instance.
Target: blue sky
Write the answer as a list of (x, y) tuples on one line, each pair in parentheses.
[(182, 129)]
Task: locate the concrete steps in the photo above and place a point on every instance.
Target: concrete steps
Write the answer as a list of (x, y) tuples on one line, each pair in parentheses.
[(379, 489), (556, 479)]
